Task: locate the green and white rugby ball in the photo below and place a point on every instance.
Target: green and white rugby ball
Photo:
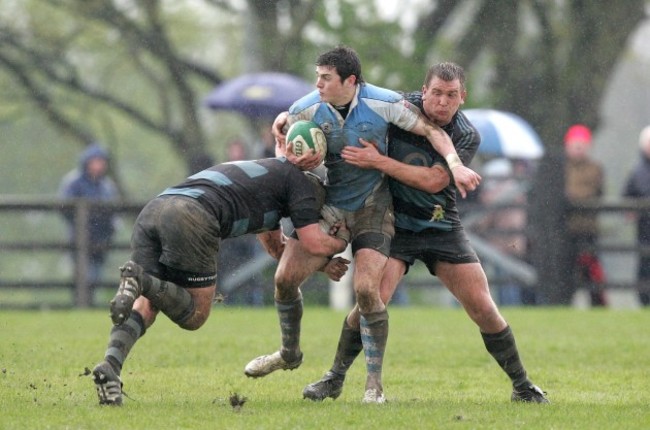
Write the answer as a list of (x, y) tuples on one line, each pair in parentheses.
[(307, 136)]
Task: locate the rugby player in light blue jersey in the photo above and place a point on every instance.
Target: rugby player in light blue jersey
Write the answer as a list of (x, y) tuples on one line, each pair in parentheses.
[(350, 111)]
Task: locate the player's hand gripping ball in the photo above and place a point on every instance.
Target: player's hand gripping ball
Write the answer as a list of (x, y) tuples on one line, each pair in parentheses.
[(307, 136)]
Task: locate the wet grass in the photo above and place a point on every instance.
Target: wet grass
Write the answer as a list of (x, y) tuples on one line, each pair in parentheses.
[(437, 374)]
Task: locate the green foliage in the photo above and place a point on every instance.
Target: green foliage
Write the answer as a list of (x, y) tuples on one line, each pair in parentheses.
[(436, 375), (93, 70), (376, 39), (133, 74)]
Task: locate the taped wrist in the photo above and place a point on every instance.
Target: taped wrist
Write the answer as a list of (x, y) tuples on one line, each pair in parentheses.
[(453, 161)]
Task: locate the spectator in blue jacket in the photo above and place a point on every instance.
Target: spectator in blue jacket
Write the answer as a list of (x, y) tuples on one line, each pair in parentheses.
[(91, 181)]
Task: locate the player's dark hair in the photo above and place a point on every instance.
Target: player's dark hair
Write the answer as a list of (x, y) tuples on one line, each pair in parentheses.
[(447, 72), (345, 60)]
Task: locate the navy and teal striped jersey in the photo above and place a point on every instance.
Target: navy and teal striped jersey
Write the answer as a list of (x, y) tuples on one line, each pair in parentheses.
[(252, 196), (417, 210)]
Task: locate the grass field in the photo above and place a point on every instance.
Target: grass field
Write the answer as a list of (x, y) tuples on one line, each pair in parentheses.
[(595, 366)]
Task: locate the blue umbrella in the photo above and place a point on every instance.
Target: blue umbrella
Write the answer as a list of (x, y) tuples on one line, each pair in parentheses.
[(504, 134), (259, 95)]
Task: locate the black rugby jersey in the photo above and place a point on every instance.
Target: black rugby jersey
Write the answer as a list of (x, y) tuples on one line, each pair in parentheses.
[(252, 196), (417, 210)]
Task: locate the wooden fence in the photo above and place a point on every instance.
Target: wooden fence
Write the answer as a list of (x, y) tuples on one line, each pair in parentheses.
[(82, 294), (81, 208)]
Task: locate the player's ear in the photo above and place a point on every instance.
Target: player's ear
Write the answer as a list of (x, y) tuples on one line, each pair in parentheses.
[(424, 92)]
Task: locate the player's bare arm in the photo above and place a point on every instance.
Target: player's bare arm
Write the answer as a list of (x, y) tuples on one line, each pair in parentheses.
[(440, 141), (318, 243), (308, 161), (465, 178), (273, 242), (279, 127), (429, 179), (336, 268)]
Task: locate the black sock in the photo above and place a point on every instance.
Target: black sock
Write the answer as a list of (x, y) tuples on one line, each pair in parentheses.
[(348, 349), (122, 339), (503, 348)]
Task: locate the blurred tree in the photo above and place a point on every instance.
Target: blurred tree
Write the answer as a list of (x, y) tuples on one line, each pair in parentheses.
[(548, 61), (66, 53), (73, 57)]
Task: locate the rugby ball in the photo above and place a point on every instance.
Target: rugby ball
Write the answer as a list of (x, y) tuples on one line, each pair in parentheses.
[(307, 136)]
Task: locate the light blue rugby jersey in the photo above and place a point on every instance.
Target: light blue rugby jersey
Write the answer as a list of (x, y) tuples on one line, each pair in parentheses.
[(372, 110)]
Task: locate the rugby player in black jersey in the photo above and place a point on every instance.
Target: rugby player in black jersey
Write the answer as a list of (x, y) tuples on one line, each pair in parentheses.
[(176, 238)]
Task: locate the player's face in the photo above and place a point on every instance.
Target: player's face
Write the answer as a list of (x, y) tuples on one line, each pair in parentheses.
[(442, 99), (330, 87)]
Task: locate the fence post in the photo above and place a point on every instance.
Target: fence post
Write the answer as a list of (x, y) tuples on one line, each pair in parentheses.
[(82, 293), (546, 227)]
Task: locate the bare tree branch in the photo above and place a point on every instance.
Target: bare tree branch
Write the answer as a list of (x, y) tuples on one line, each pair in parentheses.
[(45, 103)]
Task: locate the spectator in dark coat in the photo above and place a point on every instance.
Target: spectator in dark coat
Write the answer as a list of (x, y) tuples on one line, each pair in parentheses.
[(91, 181), (638, 186), (584, 178)]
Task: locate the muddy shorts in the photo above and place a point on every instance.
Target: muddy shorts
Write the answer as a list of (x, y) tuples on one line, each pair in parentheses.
[(372, 226), (176, 239)]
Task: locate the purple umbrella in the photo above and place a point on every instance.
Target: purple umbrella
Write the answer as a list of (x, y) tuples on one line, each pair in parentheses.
[(259, 95)]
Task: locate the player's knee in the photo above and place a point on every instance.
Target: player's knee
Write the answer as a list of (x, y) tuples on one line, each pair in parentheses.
[(193, 323), (281, 279), (286, 287), (366, 291), (195, 314), (484, 314), (369, 301)]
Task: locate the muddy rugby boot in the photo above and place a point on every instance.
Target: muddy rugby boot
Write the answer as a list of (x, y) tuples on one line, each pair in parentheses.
[(265, 364), (330, 385), (108, 384), (530, 394), (130, 289)]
